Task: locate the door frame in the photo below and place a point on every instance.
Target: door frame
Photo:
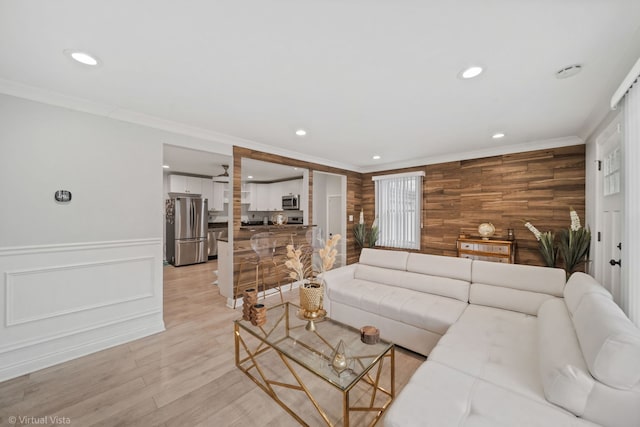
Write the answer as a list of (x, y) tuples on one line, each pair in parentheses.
[(598, 249), (342, 247)]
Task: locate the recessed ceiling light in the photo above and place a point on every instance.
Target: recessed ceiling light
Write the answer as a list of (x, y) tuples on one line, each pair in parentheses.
[(82, 57), (165, 166), (301, 132), (471, 72), (250, 177), (376, 157), (569, 71), (497, 135)]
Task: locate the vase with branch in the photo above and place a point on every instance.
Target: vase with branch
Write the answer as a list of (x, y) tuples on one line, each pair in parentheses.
[(574, 243), (546, 244), (310, 274), (365, 237)]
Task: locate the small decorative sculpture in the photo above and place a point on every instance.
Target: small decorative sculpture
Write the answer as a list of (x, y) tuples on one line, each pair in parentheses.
[(339, 358)]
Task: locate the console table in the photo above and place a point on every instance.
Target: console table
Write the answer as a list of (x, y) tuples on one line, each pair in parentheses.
[(496, 250)]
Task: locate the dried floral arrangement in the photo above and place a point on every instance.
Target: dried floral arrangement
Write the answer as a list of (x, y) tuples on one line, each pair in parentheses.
[(300, 263)]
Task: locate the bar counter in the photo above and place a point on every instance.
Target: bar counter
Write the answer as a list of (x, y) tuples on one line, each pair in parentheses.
[(244, 258)]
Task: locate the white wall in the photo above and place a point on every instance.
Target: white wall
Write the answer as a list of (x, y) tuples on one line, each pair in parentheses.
[(85, 275)]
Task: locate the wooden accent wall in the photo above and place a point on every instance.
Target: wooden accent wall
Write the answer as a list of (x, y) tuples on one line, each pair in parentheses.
[(537, 186), (354, 186)]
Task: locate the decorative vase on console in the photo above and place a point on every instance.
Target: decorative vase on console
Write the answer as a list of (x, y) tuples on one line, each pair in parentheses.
[(486, 230)]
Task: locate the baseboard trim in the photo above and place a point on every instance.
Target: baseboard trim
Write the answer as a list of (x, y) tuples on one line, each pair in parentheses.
[(142, 325)]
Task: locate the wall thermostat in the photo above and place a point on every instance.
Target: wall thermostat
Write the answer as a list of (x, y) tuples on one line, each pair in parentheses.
[(62, 196)]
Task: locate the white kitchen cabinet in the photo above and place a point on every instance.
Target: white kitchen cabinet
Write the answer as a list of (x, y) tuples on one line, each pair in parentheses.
[(219, 196), (258, 196), (207, 191), (292, 187), (245, 193), (249, 196), (268, 197), (185, 184), (275, 196), (262, 197)]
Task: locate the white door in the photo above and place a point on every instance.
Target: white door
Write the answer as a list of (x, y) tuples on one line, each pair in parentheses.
[(335, 225), (611, 203)]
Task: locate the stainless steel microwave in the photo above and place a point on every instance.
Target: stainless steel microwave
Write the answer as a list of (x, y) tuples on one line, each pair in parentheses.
[(291, 202)]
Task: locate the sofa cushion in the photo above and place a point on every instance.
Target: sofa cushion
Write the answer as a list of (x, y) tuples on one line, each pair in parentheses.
[(565, 376), (396, 260), (518, 276), (436, 285), (507, 298), (437, 395), (495, 345), (443, 266), (376, 274), (579, 285), (444, 286), (610, 343), (422, 310)]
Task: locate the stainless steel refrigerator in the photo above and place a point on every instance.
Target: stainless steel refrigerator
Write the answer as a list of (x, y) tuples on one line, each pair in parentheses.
[(186, 219)]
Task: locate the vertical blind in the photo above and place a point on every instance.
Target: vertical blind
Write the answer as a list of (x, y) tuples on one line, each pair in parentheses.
[(629, 94), (398, 201), (631, 245)]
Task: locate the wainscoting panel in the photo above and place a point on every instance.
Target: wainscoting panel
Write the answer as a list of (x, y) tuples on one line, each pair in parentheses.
[(59, 302), (43, 293)]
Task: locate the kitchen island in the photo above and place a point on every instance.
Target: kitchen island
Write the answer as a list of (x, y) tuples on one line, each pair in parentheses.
[(234, 277)]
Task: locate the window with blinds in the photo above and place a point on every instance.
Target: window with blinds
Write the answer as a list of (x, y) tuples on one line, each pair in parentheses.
[(398, 201)]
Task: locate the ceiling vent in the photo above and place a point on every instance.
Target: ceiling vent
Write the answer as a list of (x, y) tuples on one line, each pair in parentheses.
[(569, 71)]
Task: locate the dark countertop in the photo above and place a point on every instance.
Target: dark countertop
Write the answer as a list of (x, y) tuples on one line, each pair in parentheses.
[(218, 225), (260, 228), (271, 226)]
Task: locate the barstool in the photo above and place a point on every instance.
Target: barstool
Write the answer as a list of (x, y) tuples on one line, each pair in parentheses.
[(264, 246), (238, 289)]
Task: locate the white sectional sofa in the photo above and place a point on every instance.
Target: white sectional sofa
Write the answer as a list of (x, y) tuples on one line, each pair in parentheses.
[(507, 345)]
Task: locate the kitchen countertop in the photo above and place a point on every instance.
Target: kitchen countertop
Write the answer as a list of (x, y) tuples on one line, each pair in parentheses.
[(260, 228), (272, 226), (218, 225)]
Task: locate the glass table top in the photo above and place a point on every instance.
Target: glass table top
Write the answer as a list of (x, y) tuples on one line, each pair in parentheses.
[(285, 331)]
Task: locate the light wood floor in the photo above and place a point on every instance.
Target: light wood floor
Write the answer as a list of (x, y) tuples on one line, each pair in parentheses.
[(185, 376)]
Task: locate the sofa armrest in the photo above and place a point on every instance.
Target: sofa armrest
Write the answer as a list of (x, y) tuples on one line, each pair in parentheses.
[(335, 277)]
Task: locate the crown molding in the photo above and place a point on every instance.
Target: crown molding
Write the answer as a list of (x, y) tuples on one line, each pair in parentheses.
[(49, 97), (226, 142), (477, 154)]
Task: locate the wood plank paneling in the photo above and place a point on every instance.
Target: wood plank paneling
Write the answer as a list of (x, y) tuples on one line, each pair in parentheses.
[(539, 186), (354, 189)]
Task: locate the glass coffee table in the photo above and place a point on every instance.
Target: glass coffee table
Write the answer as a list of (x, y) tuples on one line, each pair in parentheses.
[(302, 348)]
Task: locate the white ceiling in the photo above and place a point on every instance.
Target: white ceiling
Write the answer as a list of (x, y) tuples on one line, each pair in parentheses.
[(363, 77), (265, 171), (183, 160)]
